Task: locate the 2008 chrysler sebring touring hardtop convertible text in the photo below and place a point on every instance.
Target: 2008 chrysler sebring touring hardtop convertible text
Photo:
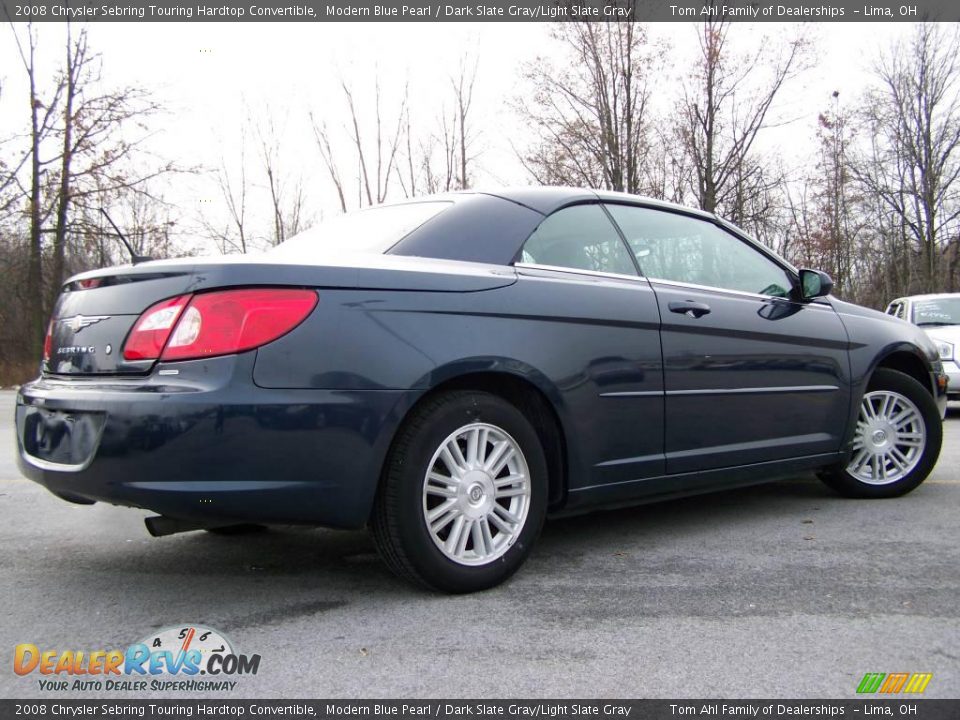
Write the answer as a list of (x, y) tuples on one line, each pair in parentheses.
[(449, 371)]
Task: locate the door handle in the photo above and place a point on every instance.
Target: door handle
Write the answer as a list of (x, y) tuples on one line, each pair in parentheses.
[(690, 308)]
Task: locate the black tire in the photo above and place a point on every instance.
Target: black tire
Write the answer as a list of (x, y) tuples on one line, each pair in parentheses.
[(241, 529), (840, 479), (398, 525)]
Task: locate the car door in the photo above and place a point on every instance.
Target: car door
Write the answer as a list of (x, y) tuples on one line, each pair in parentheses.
[(597, 339), (750, 375)]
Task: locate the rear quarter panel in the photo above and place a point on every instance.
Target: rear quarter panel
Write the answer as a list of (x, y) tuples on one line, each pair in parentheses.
[(571, 336)]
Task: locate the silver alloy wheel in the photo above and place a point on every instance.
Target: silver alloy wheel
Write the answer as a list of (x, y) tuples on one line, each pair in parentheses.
[(476, 494), (889, 440)]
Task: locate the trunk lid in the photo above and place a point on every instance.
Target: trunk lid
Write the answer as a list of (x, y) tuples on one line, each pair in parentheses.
[(97, 309), (90, 323)]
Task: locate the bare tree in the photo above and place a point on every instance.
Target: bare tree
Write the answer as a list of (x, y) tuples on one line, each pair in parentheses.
[(725, 105), (11, 192), (232, 234), (834, 221), (592, 114), (375, 150), (442, 159), (85, 145), (76, 58), (286, 193), (263, 201), (385, 144), (912, 162), (42, 119), (322, 136), (463, 98), (102, 152), (430, 161)]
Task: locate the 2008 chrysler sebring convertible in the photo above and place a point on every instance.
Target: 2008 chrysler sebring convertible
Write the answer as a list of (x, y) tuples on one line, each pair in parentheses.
[(451, 370)]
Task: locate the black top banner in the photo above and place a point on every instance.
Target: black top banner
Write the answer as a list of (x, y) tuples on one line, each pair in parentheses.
[(472, 11)]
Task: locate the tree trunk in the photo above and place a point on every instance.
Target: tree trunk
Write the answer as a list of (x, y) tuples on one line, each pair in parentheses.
[(35, 309), (63, 196)]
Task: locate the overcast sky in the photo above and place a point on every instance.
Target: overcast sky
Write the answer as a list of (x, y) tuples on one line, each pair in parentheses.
[(209, 75)]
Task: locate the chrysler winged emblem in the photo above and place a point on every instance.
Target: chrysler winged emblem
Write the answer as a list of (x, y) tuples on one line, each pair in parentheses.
[(79, 322)]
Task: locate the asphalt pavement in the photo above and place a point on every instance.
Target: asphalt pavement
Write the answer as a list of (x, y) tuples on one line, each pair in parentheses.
[(783, 590)]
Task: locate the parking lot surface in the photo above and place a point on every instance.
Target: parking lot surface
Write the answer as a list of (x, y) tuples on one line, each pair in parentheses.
[(783, 590)]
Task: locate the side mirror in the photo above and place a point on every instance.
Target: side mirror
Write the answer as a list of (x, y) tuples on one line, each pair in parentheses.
[(814, 284)]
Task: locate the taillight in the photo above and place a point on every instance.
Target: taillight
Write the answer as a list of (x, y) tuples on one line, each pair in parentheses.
[(48, 343), (150, 334), (217, 323)]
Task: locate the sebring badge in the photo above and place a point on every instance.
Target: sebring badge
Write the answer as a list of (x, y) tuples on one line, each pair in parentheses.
[(79, 322)]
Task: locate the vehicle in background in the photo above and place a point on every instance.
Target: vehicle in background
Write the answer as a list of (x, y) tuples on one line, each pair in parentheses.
[(939, 316)]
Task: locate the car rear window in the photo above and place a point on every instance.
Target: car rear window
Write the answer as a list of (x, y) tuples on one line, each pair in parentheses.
[(373, 230)]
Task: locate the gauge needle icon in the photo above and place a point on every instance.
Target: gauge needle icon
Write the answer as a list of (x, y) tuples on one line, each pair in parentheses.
[(187, 640), (186, 645)]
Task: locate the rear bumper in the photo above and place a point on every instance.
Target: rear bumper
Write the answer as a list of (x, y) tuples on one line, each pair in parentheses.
[(208, 444)]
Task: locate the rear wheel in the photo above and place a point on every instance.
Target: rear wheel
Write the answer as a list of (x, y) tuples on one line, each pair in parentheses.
[(897, 439), (464, 493)]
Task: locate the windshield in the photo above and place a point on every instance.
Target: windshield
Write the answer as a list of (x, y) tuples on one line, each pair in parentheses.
[(373, 230), (942, 311)]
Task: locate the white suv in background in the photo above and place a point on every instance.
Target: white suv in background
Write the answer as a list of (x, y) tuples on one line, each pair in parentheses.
[(939, 315)]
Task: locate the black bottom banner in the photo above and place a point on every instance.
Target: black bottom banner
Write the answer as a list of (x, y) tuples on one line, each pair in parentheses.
[(483, 709)]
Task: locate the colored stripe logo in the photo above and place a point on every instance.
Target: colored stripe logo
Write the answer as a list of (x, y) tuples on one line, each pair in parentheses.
[(893, 683)]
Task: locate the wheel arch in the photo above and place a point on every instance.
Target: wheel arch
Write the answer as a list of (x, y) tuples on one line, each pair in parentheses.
[(901, 356), (896, 364), (909, 361), (531, 399)]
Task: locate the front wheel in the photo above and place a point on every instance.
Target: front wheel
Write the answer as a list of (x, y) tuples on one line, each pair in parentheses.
[(896, 442), (464, 493)]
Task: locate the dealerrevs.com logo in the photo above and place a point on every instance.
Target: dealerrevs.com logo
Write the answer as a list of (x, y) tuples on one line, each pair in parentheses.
[(172, 659)]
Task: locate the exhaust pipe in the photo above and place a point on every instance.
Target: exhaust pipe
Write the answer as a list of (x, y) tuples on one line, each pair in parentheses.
[(160, 525)]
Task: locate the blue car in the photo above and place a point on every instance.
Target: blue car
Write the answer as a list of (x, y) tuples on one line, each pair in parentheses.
[(448, 371)]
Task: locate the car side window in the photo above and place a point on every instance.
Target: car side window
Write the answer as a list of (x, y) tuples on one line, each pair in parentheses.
[(901, 311), (892, 309), (684, 249), (581, 238)]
